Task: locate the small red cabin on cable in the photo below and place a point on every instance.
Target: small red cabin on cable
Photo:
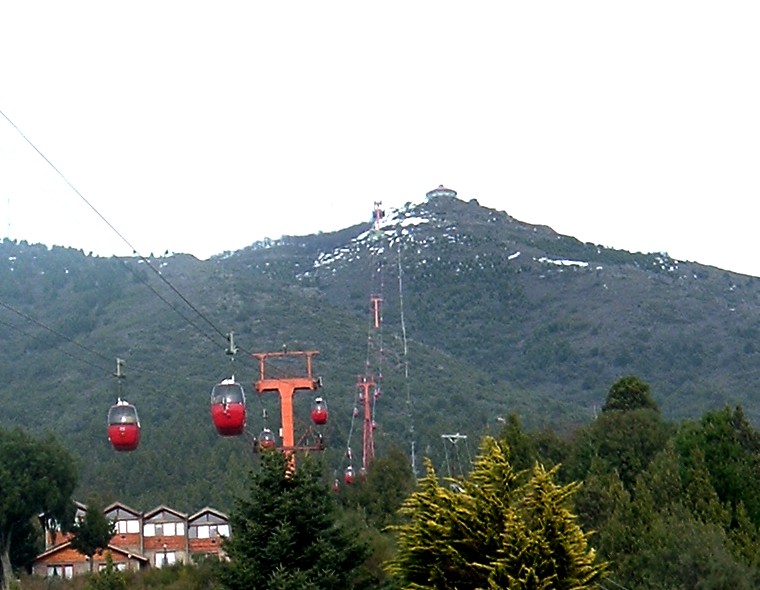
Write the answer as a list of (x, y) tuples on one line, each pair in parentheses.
[(266, 439), (123, 426), (228, 407), (319, 411), (348, 477)]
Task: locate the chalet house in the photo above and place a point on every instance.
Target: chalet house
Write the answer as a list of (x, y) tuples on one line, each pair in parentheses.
[(157, 538)]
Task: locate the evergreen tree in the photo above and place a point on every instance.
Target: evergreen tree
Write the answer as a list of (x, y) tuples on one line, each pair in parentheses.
[(93, 532), (730, 448), (285, 533), (601, 495), (494, 529), (379, 496), (110, 578), (629, 393), (626, 436), (528, 447)]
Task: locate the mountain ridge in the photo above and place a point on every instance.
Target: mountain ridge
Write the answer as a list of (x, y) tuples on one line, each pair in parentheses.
[(501, 316)]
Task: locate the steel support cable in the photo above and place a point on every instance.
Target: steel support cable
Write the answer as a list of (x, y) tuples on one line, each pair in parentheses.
[(168, 303), (78, 344), (68, 354), (379, 344), (409, 406), (54, 331), (116, 231)]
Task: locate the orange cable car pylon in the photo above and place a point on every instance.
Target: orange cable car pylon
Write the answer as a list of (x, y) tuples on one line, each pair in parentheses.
[(367, 388), (286, 387)]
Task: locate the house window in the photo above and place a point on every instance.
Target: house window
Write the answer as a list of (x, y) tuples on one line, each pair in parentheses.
[(165, 558), (149, 530), (206, 531), (169, 529), (60, 571), (120, 565), (127, 526)]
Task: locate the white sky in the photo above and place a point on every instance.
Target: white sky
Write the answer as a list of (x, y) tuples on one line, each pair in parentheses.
[(204, 126)]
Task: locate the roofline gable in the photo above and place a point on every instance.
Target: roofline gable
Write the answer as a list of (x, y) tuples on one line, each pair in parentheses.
[(121, 506), (164, 508), (113, 548), (208, 510)]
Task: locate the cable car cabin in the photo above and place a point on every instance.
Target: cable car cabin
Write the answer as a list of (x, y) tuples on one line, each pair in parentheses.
[(123, 426), (228, 408), (266, 439), (319, 411), (348, 477)]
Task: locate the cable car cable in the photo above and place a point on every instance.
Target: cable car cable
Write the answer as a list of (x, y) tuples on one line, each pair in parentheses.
[(87, 349), (61, 351), (139, 277), (54, 331), (116, 231), (409, 405)]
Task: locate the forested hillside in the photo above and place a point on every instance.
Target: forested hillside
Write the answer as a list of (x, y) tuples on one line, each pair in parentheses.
[(483, 316)]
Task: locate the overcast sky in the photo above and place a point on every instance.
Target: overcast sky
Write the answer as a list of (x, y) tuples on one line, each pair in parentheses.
[(203, 127)]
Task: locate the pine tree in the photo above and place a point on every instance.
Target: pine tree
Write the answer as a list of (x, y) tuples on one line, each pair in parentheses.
[(108, 579), (285, 534), (496, 528), (93, 532), (629, 393)]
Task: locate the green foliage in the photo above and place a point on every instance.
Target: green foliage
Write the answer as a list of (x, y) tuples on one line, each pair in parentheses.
[(525, 448), (728, 447), (379, 496), (653, 549), (286, 534), (673, 530), (28, 543), (495, 529), (93, 532), (600, 497), (201, 576), (38, 478), (109, 578), (629, 393), (625, 440)]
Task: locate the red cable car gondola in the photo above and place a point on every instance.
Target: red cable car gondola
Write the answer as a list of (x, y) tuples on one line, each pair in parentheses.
[(319, 411), (266, 439), (348, 477), (123, 426), (228, 407)]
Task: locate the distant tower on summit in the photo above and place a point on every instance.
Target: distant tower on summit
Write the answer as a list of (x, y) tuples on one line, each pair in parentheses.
[(441, 191)]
